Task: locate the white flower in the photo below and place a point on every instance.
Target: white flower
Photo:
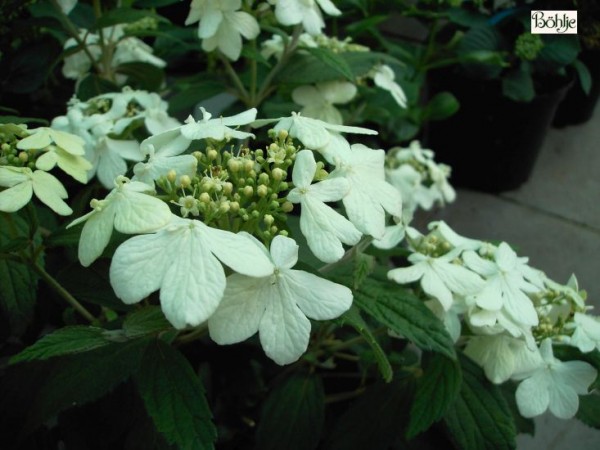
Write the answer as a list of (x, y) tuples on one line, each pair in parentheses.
[(313, 133), (383, 77), (61, 148), (218, 129), (149, 107), (306, 12), (222, 25), (127, 49), (128, 208), (506, 286), (586, 336), (182, 261), (164, 154), (370, 196), (22, 183), (109, 158), (440, 277), (554, 385), (277, 305), (324, 228), (501, 356), (318, 100), (393, 234)]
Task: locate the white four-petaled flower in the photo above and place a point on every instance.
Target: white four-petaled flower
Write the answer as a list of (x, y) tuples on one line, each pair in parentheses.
[(318, 101), (554, 385), (182, 261), (277, 305), (128, 208), (306, 12), (324, 228), (222, 25)]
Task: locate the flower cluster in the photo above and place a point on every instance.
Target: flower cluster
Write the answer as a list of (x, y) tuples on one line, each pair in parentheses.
[(512, 314), (107, 122), (26, 157)]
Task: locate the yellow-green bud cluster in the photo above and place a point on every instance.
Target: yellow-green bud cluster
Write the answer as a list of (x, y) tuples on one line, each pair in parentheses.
[(432, 245), (239, 189), (528, 46), (10, 155), (555, 309)]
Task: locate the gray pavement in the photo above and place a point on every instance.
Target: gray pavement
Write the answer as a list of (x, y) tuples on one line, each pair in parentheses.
[(554, 219)]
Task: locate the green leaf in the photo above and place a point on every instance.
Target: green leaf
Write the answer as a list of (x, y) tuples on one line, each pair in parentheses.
[(93, 85), (558, 52), (17, 119), (441, 106), (64, 237), (518, 86), (18, 283), (523, 424), (293, 414), (374, 420), (480, 418), (142, 75), (174, 398), (148, 320), (63, 341), (467, 18), (353, 318), (436, 391), (14, 245), (584, 75), (363, 266), (484, 40), (405, 314), (91, 284), (589, 409), (84, 377), (125, 15), (190, 92), (334, 61)]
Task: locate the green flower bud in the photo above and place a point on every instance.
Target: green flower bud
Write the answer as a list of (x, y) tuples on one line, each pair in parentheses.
[(224, 207), (268, 219), (284, 186), (23, 157), (205, 198), (171, 176), (234, 165), (234, 206), (255, 214), (283, 232), (262, 190), (287, 207), (248, 165), (248, 191), (212, 154), (263, 178), (227, 188), (278, 174), (528, 46), (185, 181), (283, 134)]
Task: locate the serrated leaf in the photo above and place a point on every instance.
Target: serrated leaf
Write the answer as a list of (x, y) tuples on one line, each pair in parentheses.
[(14, 245), (333, 61), (441, 106), (353, 318), (375, 420), (93, 85), (518, 86), (84, 377), (91, 284), (293, 414), (584, 75), (480, 418), (142, 75), (125, 15), (523, 424), (148, 320), (436, 391), (405, 314), (589, 409), (18, 283), (63, 341), (363, 266), (174, 398)]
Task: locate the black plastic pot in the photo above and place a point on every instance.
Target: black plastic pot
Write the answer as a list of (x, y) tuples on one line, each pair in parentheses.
[(578, 107), (492, 143)]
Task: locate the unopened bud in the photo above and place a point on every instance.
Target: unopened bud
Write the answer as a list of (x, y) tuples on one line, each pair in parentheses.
[(278, 174), (262, 190), (248, 165), (287, 207), (23, 157), (273, 229), (227, 188), (283, 134), (205, 198), (283, 233), (185, 181), (234, 165), (248, 191), (234, 206), (212, 154), (268, 219), (224, 207), (171, 176), (263, 178)]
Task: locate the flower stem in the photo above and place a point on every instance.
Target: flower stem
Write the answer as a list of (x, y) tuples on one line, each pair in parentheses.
[(63, 292), (243, 93)]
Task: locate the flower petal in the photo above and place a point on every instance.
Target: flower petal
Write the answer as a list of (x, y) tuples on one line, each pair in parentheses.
[(284, 252), (16, 197), (240, 311)]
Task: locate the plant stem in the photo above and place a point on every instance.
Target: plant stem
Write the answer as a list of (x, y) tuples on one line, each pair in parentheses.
[(192, 335), (243, 93), (289, 50), (63, 292), (70, 28)]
